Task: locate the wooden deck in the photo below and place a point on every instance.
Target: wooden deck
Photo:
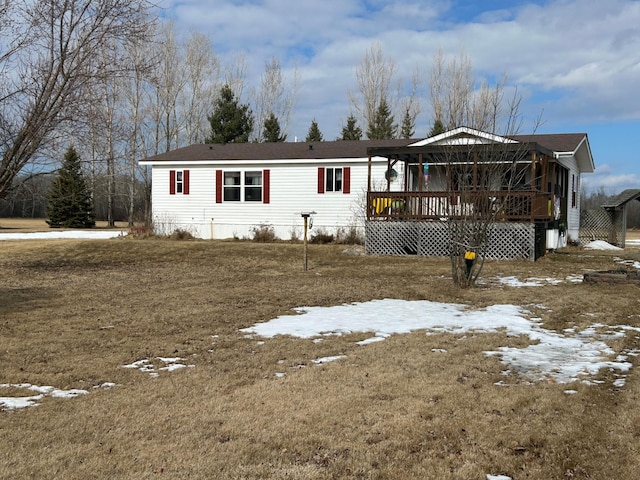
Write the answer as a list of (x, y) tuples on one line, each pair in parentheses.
[(516, 206)]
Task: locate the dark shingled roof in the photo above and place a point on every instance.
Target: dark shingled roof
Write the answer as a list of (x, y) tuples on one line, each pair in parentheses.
[(563, 142), (277, 150), (558, 142)]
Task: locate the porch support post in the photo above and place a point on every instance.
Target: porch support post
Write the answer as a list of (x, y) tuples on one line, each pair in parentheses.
[(533, 171), (475, 169), (533, 183), (420, 183), (545, 173), (367, 209), (406, 176)]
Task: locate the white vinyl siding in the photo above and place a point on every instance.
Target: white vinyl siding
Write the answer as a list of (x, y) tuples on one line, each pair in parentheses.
[(293, 189)]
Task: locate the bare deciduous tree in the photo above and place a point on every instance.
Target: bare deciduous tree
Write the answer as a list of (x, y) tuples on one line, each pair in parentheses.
[(49, 67), (410, 107), (481, 176), (457, 99), (374, 77), (275, 97), (202, 84)]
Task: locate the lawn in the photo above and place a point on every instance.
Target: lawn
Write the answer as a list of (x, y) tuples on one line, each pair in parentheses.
[(204, 399)]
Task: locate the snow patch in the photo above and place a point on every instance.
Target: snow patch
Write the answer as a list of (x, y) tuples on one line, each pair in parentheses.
[(562, 357)]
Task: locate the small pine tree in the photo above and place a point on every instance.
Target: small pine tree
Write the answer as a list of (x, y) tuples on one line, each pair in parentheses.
[(314, 134), (271, 131), (437, 128), (381, 127), (351, 131), (230, 122), (69, 200), (408, 127)]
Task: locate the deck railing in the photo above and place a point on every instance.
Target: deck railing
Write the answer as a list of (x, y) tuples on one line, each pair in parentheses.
[(506, 205)]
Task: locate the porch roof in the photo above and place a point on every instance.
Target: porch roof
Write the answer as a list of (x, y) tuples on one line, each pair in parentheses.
[(440, 153)]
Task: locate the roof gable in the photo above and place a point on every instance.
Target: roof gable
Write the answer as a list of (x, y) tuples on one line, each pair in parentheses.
[(463, 136)]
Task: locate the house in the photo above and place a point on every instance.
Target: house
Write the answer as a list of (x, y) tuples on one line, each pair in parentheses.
[(527, 186), (399, 191), (218, 191)]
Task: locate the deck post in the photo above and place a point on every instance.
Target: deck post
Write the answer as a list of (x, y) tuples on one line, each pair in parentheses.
[(420, 182), (367, 209)]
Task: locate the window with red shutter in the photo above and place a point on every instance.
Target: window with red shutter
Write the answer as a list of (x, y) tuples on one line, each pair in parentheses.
[(179, 182), (332, 179), (243, 186)]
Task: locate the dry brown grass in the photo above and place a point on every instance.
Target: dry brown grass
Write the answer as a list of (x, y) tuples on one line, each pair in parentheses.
[(73, 312)]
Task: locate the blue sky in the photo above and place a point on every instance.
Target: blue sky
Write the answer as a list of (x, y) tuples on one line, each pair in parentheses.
[(576, 63)]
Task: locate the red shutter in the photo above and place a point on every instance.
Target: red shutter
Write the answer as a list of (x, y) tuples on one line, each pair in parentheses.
[(218, 186), (185, 182), (266, 192), (172, 182), (320, 179), (346, 180)]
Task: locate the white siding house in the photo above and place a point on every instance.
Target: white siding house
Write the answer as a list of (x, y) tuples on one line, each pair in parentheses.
[(226, 191)]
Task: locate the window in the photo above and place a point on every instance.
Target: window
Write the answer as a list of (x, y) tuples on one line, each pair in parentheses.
[(232, 187), (179, 182), (237, 186), (334, 179), (252, 186)]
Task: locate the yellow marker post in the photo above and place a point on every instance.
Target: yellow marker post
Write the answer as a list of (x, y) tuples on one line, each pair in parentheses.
[(469, 259)]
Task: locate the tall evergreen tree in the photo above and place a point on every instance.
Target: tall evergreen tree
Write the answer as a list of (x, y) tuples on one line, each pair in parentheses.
[(437, 128), (382, 127), (70, 204), (231, 122), (314, 134), (351, 131), (271, 130)]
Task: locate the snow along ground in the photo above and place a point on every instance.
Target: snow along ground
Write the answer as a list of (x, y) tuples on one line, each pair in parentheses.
[(56, 234)]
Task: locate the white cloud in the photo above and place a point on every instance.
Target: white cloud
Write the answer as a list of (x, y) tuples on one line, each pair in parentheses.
[(576, 60), (610, 182)]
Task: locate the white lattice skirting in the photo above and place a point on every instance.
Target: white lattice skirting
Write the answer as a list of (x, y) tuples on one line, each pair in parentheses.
[(430, 239)]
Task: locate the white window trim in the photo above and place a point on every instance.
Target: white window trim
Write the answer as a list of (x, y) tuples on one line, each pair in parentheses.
[(243, 186)]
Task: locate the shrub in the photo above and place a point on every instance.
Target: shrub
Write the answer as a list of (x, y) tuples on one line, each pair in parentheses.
[(295, 235), (263, 234), (181, 234), (349, 236), (321, 236)]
